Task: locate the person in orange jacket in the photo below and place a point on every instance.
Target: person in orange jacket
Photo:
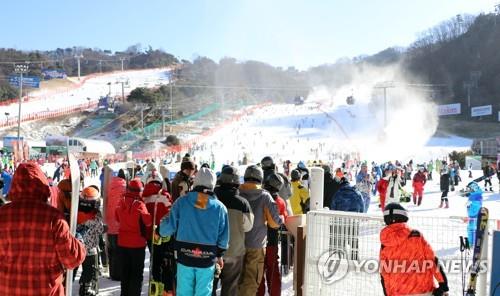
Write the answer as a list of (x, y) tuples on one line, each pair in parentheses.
[(408, 265)]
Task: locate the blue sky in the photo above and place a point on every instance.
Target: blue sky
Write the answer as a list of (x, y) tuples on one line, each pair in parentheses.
[(280, 32)]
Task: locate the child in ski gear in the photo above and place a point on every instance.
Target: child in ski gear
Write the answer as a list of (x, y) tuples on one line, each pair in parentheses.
[(475, 202), (271, 275), (34, 259), (444, 184), (399, 243), (202, 234), (266, 214), (419, 181), (240, 221), (300, 194), (134, 220), (115, 193), (90, 227)]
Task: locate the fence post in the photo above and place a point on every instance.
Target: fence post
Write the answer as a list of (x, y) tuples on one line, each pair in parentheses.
[(301, 256)]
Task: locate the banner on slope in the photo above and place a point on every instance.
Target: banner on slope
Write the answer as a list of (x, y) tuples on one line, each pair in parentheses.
[(450, 109), (481, 110), (53, 74)]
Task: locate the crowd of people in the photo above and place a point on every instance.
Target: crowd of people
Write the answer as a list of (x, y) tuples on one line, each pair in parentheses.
[(202, 229)]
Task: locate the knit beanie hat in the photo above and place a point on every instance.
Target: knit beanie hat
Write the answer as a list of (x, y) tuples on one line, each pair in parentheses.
[(205, 178), (253, 173)]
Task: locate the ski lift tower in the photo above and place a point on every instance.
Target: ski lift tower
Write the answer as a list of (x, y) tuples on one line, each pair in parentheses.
[(385, 85)]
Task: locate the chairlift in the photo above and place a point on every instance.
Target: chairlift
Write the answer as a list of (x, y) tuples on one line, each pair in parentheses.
[(350, 100)]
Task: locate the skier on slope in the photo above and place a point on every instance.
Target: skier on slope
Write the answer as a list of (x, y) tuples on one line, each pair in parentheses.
[(364, 182), (419, 181), (444, 184), (409, 266), (475, 201), (34, 258)]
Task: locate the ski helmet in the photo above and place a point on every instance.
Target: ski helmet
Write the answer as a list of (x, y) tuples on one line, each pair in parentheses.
[(395, 213), (253, 173), (267, 163), (474, 187), (274, 182), (295, 175), (89, 199)]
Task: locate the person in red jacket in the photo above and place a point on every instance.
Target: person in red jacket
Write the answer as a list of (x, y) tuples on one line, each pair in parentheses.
[(134, 220), (158, 202), (34, 256), (272, 275), (115, 193), (408, 265), (419, 181), (382, 186)]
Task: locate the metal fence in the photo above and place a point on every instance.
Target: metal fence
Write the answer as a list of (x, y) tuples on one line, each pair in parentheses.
[(355, 238)]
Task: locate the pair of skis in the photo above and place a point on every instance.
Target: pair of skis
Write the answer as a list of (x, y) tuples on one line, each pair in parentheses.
[(481, 233)]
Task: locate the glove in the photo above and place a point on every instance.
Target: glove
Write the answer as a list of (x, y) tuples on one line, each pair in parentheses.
[(442, 290)]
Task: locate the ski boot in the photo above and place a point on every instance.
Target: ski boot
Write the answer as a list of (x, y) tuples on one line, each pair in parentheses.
[(419, 201), (447, 205), (441, 204)]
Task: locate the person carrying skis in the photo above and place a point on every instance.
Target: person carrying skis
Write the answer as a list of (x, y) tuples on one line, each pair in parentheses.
[(158, 203), (419, 181), (34, 258), (134, 220), (201, 227), (240, 221), (90, 227), (271, 275), (420, 268)]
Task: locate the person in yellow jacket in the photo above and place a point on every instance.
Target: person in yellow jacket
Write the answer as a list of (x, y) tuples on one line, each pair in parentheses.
[(300, 195)]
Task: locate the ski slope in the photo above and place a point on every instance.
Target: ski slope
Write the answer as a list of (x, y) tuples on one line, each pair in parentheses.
[(91, 87)]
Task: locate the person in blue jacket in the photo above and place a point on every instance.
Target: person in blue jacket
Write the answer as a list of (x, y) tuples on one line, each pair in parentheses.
[(347, 199), (7, 180), (200, 224)]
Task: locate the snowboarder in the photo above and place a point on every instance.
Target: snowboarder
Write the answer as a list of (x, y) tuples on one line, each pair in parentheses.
[(399, 244), (201, 227), (419, 181)]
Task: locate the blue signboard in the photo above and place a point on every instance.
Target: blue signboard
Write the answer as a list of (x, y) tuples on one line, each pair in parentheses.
[(53, 74), (28, 81), (8, 141)]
